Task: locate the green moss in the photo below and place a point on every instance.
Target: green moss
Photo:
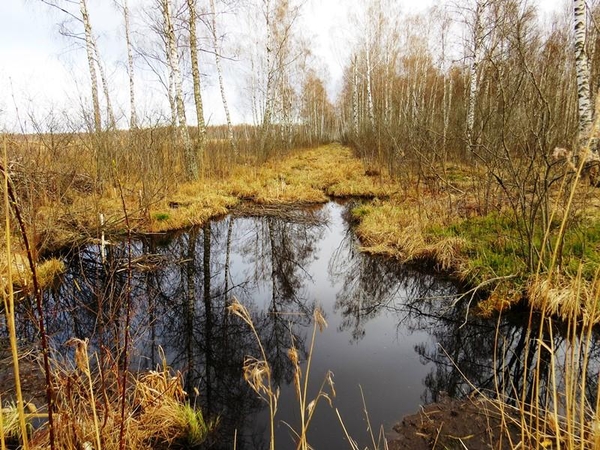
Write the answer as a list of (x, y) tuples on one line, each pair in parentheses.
[(361, 211), (581, 249), (161, 216), (493, 246)]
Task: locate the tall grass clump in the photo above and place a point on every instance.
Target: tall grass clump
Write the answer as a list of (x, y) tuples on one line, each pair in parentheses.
[(89, 399)]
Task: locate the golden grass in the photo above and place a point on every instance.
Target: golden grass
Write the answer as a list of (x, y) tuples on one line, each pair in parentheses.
[(158, 414), (307, 176), (9, 418), (48, 272), (194, 205), (567, 297), (399, 230)]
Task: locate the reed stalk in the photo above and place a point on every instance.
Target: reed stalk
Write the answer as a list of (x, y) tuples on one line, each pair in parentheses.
[(126, 338), (257, 372), (82, 361), (2, 434), (9, 308), (307, 408)]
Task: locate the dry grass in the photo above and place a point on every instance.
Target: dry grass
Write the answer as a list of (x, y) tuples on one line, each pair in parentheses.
[(158, 414), (9, 422), (307, 176), (399, 230)]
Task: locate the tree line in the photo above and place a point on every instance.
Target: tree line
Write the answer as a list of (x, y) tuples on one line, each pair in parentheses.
[(486, 82)]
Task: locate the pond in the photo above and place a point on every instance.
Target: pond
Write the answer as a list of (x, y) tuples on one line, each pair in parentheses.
[(399, 335)]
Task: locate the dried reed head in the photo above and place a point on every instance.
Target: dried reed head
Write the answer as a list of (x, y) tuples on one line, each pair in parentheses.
[(320, 319), (257, 373), (81, 354)]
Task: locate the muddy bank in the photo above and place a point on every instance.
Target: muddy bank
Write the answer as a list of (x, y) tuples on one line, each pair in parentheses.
[(454, 424)]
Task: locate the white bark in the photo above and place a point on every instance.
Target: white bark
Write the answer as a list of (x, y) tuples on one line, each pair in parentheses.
[(370, 108), (268, 112), (190, 161), (93, 61), (133, 124), (104, 81), (196, 79), (355, 98), (582, 69), (220, 76), (91, 65), (473, 86)]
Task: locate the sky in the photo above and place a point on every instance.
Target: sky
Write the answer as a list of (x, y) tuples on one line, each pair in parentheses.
[(44, 77)]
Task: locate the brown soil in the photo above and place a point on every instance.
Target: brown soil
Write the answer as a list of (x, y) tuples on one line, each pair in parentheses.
[(473, 424)]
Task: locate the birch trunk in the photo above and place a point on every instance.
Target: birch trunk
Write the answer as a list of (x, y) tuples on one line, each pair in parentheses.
[(370, 108), (220, 76), (582, 70), (109, 110), (448, 87), (355, 98), (189, 159), (268, 111), (196, 80), (133, 124), (477, 35), (91, 65)]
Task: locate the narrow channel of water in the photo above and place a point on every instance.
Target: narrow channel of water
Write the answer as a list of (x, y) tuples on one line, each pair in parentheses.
[(398, 334)]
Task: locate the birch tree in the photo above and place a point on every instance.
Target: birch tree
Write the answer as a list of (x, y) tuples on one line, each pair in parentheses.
[(272, 60), (200, 142), (94, 61), (317, 112), (91, 65), (583, 72), (217, 50), (133, 123), (189, 158), (355, 98), (476, 49)]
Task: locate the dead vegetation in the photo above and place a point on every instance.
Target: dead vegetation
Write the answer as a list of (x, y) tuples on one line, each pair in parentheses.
[(87, 410)]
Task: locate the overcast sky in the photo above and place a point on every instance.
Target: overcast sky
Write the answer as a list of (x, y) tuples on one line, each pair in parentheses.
[(42, 70)]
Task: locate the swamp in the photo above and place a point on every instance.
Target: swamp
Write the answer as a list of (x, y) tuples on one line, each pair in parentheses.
[(289, 224)]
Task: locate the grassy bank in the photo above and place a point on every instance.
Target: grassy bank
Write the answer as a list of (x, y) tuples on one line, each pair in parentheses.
[(489, 247), (302, 177), (441, 221)]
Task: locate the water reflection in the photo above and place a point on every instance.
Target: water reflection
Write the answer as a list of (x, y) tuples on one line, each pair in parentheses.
[(400, 334)]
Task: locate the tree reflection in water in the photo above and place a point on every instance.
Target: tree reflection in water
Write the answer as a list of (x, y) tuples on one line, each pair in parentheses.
[(398, 333), (496, 356)]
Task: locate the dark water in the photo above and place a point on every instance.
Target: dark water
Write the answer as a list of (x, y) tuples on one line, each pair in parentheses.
[(398, 334)]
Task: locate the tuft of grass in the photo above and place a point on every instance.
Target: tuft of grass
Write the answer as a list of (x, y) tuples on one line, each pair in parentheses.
[(161, 216), (399, 231), (307, 176), (9, 418)]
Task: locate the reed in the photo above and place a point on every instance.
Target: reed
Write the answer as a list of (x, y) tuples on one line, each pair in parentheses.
[(257, 374), (9, 308), (306, 407), (555, 411), (257, 371)]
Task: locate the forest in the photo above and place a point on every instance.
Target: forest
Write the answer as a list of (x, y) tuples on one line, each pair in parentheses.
[(462, 139)]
